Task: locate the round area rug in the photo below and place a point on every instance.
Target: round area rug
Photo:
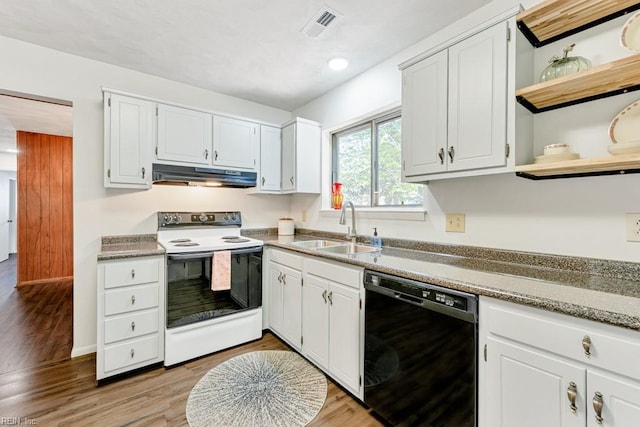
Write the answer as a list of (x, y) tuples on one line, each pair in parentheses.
[(262, 388)]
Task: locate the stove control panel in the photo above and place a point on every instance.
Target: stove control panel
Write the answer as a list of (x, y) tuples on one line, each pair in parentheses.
[(198, 219)]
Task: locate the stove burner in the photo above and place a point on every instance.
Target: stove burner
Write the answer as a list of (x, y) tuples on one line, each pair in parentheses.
[(187, 243), (230, 237), (237, 240), (179, 241)]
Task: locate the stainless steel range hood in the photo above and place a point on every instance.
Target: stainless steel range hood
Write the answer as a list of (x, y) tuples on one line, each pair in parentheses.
[(199, 176)]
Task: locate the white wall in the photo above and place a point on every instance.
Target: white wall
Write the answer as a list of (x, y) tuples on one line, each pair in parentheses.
[(578, 216), (8, 162), (97, 211)]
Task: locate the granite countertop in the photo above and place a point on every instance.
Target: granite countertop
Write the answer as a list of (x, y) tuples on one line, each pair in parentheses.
[(600, 290), (129, 246)]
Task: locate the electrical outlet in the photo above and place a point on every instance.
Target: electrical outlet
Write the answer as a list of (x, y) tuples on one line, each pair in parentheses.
[(633, 227), (455, 222)]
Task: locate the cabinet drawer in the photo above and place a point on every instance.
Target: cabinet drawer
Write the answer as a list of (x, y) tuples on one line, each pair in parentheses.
[(130, 299), (611, 348), (130, 326), (134, 272), (349, 276), (131, 353), (287, 258)]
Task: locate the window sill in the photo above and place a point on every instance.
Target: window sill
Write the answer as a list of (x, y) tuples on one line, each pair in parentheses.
[(398, 214)]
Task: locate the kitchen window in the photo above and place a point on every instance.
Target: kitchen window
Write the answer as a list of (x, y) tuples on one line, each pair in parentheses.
[(367, 161)]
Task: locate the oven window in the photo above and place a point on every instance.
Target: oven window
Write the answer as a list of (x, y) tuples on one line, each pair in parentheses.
[(189, 295)]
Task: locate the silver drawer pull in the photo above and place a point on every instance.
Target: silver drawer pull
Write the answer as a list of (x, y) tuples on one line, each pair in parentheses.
[(133, 327), (133, 273), (330, 297), (324, 296), (586, 344), (284, 279), (598, 402), (280, 277), (572, 393), (133, 299), (133, 353)]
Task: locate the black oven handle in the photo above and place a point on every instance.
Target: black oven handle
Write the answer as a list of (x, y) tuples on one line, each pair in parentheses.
[(209, 254)]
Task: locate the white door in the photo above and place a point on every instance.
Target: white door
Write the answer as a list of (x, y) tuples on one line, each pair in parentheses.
[(477, 100), (424, 116), (269, 158), (130, 133), (315, 320), (289, 158), (292, 306), (184, 135), (344, 335), (13, 216), (620, 400), (275, 298), (4, 216), (526, 388), (235, 143)]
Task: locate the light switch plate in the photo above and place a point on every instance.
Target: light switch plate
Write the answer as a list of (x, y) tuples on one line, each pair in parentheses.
[(455, 222), (633, 227)]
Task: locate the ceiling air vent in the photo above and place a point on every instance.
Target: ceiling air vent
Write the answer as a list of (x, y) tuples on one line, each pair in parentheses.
[(321, 20)]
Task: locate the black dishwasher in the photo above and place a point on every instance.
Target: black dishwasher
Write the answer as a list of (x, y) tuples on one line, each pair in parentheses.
[(420, 362)]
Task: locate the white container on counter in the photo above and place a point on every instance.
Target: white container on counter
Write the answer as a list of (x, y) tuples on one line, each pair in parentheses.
[(286, 227)]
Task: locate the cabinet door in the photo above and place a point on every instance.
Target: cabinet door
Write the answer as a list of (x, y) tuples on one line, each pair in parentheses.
[(620, 400), (289, 158), (269, 158), (344, 334), (478, 100), (307, 157), (526, 388), (129, 124), (315, 320), (275, 298), (184, 135), (292, 306), (424, 116), (235, 143)]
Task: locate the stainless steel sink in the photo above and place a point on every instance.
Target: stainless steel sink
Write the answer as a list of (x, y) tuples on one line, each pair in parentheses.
[(316, 244), (348, 249)]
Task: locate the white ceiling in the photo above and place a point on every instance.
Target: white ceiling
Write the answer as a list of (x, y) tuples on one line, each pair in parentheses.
[(251, 49)]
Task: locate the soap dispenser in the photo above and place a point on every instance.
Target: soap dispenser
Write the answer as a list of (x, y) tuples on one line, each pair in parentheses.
[(376, 241)]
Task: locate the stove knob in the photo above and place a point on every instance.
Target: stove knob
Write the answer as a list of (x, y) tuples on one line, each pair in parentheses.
[(167, 219), (233, 216), (203, 217), (226, 217), (177, 219)]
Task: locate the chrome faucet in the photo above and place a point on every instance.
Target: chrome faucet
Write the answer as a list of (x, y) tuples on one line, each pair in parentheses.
[(351, 231)]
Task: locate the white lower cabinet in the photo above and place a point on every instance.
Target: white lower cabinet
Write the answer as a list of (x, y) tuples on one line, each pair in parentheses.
[(285, 297), (548, 369), (130, 314)]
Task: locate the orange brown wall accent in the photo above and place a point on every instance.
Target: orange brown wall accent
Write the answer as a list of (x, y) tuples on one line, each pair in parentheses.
[(45, 208)]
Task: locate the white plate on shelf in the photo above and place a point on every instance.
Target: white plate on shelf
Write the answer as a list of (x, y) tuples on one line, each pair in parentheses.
[(625, 127), (551, 158), (626, 148), (630, 35)]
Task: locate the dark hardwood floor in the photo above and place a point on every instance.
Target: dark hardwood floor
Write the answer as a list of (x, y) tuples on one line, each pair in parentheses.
[(40, 384)]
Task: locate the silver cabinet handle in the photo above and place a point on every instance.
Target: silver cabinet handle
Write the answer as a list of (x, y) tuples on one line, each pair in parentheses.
[(143, 171), (441, 155), (133, 326), (215, 153), (206, 153), (572, 393), (598, 402), (330, 297), (291, 179), (280, 277), (263, 180), (133, 299), (324, 296), (586, 344), (133, 273), (284, 279), (133, 353), (452, 153)]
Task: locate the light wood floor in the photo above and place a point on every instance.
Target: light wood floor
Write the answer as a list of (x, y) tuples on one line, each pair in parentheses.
[(40, 384)]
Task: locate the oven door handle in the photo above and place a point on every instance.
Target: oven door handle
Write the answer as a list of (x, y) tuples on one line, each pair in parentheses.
[(209, 254)]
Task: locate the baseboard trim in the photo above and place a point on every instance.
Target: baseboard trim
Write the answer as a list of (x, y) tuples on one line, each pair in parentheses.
[(81, 351), (52, 281)]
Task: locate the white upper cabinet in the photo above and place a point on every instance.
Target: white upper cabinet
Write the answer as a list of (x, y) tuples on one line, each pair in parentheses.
[(128, 143), (301, 156), (270, 162), (184, 135), (459, 114), (235, 143)]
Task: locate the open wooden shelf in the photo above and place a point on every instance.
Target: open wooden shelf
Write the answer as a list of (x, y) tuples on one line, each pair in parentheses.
[(555, 19), (605, 80), (612, 165)]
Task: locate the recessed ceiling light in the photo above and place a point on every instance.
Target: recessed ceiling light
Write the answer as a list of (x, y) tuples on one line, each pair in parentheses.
[(338, 63)]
